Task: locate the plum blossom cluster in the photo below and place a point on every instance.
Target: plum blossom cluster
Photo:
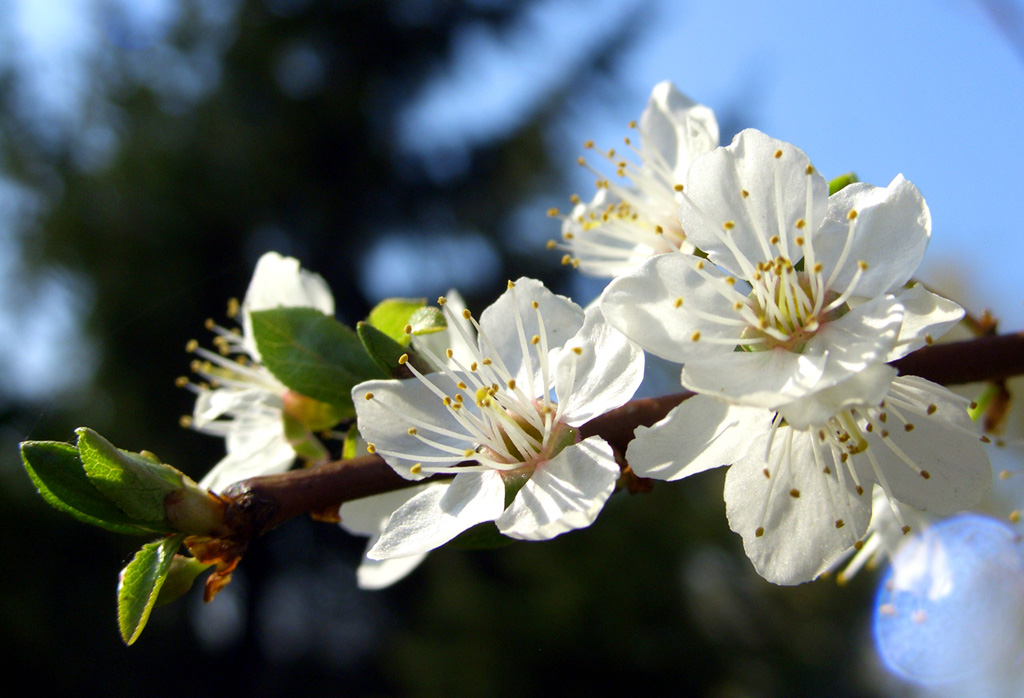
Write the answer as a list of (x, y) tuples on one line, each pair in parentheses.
[(784, 320), (784, 304)]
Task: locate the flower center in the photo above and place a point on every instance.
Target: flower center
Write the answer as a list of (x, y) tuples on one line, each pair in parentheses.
[(790, 306)]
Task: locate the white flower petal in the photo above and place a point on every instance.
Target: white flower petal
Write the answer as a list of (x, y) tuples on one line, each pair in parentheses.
[(891, 232), (926, 316), (867, 387), (438, 514), (281, 282), (565, 493), (265, 453), (562, 319), (863, 336), (399, 405), (943, 443), (700, 434), (776, 198), (674, 129), (644, 305), (368, 516), (602, 377), (796, 510), (758, 379)]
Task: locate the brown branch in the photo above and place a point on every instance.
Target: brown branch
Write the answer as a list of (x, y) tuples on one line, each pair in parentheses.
[(258, 504)]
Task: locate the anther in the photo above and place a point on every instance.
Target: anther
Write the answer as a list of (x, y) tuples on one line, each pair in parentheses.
[(862, 265), (778, 154), (191, 346), (578, 351), (552, 212), (860, 490), (551, 244), (926, 475), (766, 473), (759, 532), (209, 323), (407, 329), (744, 193), (180, 381), (678, 302), (416, 468), (695, 336), (411, 431), (449, 353), (809, 170), (729, 225), (858, 545), (466, 314), (932, 409), (840, 523), (371, 448), (678, 187), (184, 421), (794, 493), (403, 359), (535, 339), (906, 530), (368, 396), (852, 214)]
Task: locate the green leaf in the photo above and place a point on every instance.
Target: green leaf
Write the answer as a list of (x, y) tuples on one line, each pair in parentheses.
[(312, 353), (137, 485), (56, 470), (386, 352), (392, 315), (428, 320), (140, 585), (841, 181)]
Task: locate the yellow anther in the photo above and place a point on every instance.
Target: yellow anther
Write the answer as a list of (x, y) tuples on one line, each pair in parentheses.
[(441, 300), (486, 362), (449, 353), (774, 239), (466, 314), (552, 212), (535, 339), (744, 193), (447, 401), (566, 260), (184, 421), (574, 199), (778, 154), (659, 230), (551, 244), (852, 214), (809, 170), (678, 302), (411, 431), (678, 187), (729, 225), (511, 384), (209, 324), (932, 409), (191, 345), (578, 351), (862, 265), (403, 359), (840, 523), (794, 493), (800, 225), (462, 386), (468, 453), (368, 396), (695, 336), (473, 366), (759, 532), (588, 144), (818, 267), (731, 281), (407, 329), (632, 124), (181, 381), (370, 448), (416, 468), (534, 305), (799, 239)]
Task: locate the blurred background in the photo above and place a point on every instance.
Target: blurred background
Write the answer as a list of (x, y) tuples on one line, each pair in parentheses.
[(151, 150)]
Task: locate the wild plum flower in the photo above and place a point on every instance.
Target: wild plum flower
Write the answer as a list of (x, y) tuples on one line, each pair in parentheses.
[(799, 290), (239, 399), (625, 223), (799, 489), (505, 425)]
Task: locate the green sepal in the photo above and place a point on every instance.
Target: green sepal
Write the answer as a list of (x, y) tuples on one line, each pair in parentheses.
[(312, 353), (841, 181), (387, 353), (351, 442), (305, 443), (480, 537), (981, 403), (137, 485), (427, 320), (180, 578), (140, 585), (56, 470), (390, 316)]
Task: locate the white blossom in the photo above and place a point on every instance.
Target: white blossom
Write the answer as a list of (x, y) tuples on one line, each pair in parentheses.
[(627, 222), (239, 399), (799, 488), (505, 425), (799, 290)]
